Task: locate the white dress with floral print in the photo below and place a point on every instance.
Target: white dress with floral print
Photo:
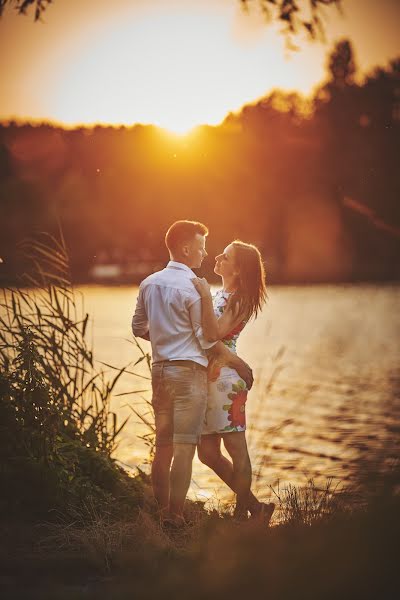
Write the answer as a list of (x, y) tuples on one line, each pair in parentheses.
[(227, 392)]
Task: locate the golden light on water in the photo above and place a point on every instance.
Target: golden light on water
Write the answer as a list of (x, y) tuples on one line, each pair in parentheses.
[(176, 70)]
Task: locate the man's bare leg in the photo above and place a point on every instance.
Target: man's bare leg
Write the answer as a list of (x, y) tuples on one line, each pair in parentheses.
[(181, 473), (209, 451), (160, 475)]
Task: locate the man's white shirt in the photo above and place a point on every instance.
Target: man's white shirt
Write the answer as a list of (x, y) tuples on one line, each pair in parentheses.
[(168, 308)]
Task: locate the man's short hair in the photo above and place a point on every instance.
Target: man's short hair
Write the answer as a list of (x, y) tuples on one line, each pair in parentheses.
[(182, 232)]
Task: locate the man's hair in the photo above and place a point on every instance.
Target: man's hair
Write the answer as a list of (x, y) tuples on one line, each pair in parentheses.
[(182, 232)]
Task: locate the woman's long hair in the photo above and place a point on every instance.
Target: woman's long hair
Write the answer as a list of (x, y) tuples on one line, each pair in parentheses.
[(251, 293)]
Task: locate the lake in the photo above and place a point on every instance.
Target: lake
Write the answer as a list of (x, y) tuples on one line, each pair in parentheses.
[(326, 398)]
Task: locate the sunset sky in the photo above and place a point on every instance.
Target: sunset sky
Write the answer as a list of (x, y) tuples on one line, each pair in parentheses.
[(176, 64)]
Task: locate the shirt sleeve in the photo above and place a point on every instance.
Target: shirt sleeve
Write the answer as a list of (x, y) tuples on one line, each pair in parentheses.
[(140, 322), (195, 318)]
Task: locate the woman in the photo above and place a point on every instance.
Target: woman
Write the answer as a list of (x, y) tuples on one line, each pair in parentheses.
[(242, 296)]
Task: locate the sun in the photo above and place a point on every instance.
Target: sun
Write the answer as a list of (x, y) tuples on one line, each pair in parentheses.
[(170, 70), (176, 70)]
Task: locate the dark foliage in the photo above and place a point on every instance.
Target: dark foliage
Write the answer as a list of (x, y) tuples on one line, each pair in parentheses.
[(288, 12), (23, 6), (291, 13)]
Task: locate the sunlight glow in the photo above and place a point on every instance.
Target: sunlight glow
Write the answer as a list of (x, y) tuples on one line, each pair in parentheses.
[(175, 70)]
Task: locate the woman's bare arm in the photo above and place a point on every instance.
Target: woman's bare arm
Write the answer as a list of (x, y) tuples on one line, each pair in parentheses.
[(214, 328)]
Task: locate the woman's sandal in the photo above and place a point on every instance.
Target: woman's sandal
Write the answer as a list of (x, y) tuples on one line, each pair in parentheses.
[(265, 513)]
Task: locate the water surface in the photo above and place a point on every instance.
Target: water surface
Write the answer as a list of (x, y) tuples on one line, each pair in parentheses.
[(326, 398)]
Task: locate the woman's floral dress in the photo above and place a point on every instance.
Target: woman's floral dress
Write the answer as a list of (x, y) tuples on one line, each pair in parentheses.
[(227, 392)]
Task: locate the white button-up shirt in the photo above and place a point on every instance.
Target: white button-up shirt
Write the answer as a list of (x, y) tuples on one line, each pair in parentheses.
[(169, 309)]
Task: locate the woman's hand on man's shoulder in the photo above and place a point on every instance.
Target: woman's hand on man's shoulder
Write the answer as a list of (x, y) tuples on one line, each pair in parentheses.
[(202, 286)]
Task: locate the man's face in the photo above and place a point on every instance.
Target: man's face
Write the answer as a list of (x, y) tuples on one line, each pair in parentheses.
[(196, 251)]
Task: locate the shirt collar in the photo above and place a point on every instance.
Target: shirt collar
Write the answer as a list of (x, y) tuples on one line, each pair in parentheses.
[(177, 265)]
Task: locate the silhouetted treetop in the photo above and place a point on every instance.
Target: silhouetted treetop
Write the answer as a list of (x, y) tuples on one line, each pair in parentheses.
[(294, 14), (23, 6), (341, 64)]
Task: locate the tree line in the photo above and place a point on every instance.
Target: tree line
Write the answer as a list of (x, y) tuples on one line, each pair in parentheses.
[(315, 183)]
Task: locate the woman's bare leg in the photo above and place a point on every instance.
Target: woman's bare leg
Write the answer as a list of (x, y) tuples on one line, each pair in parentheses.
[(235, 443), (209, 452)]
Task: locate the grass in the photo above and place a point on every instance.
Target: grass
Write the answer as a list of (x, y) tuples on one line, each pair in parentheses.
[(341, 553), (310, 504)]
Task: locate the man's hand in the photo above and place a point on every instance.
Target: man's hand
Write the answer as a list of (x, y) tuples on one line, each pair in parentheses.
[(244, 371), (230, 359)]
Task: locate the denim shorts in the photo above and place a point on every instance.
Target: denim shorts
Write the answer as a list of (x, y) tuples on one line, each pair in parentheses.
[(179, 401)]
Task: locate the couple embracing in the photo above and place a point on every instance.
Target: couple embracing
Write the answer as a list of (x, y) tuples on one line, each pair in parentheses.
[(199, 383)]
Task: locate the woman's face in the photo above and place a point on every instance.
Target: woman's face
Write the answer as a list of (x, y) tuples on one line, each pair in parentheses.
[(225, 263)]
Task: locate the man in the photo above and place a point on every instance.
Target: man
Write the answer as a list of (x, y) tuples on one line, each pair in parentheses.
[(168, 313)]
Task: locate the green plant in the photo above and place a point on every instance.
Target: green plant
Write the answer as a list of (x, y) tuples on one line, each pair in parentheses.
[(57, 430), (309, 504)]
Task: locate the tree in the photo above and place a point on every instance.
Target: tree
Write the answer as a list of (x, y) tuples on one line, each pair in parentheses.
[(342, 66), (294, 14), (23, 6)]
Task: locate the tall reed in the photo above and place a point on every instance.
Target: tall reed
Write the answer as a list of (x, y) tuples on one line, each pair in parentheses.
[(57, 428), (44, 350)]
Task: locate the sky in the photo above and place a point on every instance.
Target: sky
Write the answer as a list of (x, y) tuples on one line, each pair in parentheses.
[(173, 63)]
